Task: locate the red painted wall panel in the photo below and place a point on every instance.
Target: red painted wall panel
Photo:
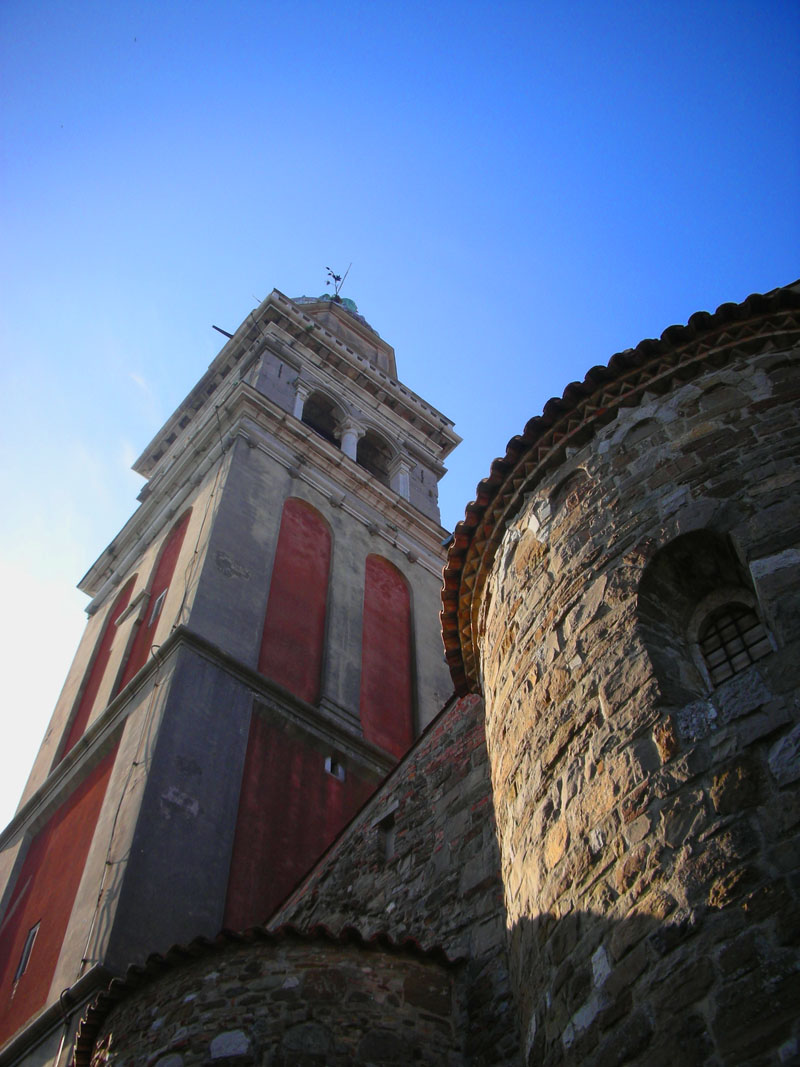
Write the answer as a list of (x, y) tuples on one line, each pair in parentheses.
[(293, 641), (290, 809), (97, 668), (45, 893), (164, 569), (386, 699)]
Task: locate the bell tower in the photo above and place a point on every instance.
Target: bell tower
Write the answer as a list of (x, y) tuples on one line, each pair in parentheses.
[(262, 646)]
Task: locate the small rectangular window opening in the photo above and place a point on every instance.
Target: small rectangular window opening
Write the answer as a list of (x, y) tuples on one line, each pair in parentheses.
[(386, 838), (27, 948), (333, 767)]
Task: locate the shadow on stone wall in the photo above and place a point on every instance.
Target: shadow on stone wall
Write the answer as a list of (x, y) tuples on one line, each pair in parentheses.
[(700, 986)]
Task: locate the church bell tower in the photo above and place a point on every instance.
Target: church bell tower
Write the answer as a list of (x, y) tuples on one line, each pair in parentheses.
[(262, 646)]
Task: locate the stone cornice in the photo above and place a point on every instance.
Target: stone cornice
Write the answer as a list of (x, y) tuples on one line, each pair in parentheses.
[(55, 1016), (102, 733), (760, 324), (317, 344), (240, 410), (359, 402)]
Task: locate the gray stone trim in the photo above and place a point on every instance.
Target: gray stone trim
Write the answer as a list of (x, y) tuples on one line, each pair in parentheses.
[(100, 734)]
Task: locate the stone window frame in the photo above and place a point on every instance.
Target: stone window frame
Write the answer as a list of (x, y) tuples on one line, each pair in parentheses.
[(385, 827), (711, 604), (335, 768), (27, 951), (335, 408)]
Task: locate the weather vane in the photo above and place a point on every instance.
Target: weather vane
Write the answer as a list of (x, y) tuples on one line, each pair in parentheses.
[(337, 281)]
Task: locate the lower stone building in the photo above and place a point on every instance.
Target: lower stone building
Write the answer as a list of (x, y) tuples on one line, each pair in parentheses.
[(591, 856)]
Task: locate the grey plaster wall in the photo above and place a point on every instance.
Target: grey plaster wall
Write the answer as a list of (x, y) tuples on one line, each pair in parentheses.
[(177, 872), (275, 379), (231, 596), (233, 590), (424, 491)]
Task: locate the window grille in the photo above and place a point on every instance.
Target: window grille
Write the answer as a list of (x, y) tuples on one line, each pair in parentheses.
[(730, 640)]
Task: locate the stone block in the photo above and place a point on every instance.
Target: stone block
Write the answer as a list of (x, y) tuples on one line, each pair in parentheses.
[(230, 1044), (684, 986), (739, 956), (681, 1039), (682, 817), (696, 720), (784, 758), (306, 1040), (626, 971), (736, 786), (666, 938), (741, 695), (665, 737), (757, 1012), (555, 844), (762, 723), (626, 1041), (429, 991)]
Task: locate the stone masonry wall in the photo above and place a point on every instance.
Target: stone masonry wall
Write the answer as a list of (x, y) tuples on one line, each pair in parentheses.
[(649, 823), (420, 860), (290, 1003)]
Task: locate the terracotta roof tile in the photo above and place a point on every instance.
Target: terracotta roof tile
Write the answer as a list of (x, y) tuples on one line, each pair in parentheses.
[(655, 364), (156, 964)]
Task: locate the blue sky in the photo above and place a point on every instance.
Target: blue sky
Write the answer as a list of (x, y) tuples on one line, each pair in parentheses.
[(523, 189)]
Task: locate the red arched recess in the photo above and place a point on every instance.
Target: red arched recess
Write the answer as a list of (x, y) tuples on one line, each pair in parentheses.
[(294, 629), (44, 893), (98, 668), (290, 810), (164, 569), (386, 704)]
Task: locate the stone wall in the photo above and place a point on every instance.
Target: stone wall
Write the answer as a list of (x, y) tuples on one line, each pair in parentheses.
[(286, 1002), (420, 860), (648, 818)]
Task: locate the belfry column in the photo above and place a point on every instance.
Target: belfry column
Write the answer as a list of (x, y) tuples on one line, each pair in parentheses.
[(351, 434)]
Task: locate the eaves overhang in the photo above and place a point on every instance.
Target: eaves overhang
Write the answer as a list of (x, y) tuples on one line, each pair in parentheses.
[(768, 322), (103, 732), (304, 332), (156, 965)]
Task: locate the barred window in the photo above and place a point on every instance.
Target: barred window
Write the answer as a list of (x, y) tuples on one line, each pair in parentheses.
[(730, 639)]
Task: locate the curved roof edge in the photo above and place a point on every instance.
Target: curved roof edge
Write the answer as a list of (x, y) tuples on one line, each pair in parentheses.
[(761, 322), (155, 965)]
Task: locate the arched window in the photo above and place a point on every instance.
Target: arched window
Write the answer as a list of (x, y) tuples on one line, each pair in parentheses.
[(293, 640), (159, 585), (730, 639), (386, 694), (97, 668), (699, 615), (375, 455), (569, 493), (322, 415)]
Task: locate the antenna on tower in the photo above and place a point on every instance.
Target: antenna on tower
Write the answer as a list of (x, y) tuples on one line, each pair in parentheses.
[(337, 280)]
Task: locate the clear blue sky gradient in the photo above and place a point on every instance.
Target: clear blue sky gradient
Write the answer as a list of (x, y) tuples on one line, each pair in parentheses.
[(523, 190)]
